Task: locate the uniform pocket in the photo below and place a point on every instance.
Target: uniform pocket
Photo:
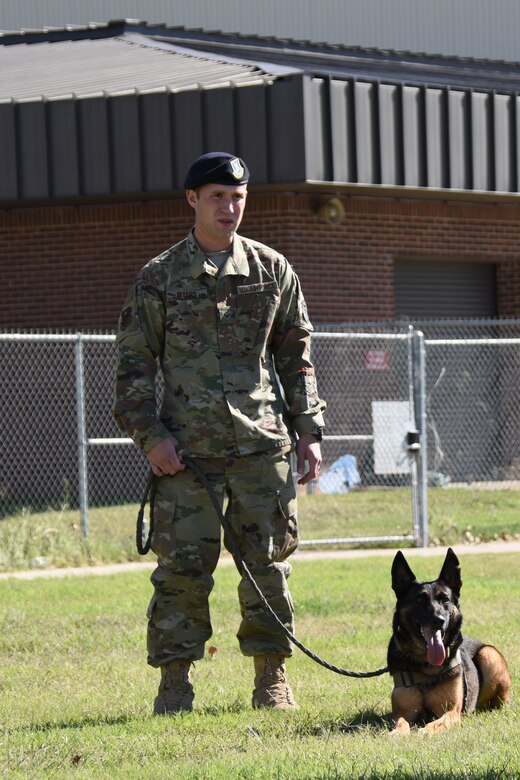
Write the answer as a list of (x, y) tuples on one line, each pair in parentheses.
[(190, 319), (286, 531), (255, 315), (163, 536)]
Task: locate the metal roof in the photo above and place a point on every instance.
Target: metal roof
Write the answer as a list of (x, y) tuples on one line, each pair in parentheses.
[(305, 55), (354, 61), (123, 108), (126, 63), (482, 28)]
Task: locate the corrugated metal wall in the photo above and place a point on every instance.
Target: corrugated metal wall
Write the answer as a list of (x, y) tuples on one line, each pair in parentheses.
[(374, 133), (143, 143), (294, 130), (467, 28)]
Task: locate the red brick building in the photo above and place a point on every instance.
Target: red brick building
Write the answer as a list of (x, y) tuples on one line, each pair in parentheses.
[(69, 266), (419, 153)]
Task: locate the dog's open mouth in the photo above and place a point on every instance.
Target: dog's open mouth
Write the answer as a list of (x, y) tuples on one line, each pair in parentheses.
[(435, 650)]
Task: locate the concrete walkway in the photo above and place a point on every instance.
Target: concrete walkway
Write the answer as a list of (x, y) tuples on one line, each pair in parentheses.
[(309, 555)]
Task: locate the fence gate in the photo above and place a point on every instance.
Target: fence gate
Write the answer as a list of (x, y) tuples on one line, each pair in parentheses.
[(374, 438)]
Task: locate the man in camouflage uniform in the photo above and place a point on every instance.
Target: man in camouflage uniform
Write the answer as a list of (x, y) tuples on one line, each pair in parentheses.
[(225, 318)]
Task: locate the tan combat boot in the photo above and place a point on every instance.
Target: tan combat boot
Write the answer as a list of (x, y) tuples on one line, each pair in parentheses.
[(271, 688), (175, 690)]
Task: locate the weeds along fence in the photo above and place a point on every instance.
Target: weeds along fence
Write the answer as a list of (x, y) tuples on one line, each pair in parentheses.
[(408, 407)]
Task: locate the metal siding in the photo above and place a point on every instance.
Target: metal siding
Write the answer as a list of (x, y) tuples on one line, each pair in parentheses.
[(218, 123), (8, 157), (297, 128), (32, 129), (516, 140), (286, 123), (95, 148), (342, 133), (437, 152), (504, 150), (251, 127), (63, 146), (125, 144), (366, 133), (187, 121), (413, 137), (481, 141), (317, 121), (156, 142), (390, 134), (458, 103)]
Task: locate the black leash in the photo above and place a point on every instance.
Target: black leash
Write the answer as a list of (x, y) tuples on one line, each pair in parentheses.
[(144, 537)]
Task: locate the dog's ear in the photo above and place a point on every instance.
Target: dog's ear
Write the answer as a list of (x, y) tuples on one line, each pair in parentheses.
[(402, 575), (450, 572)]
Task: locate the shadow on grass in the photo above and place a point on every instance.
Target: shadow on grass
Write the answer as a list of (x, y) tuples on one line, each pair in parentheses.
[(80, 723), (368, 720), (500, 773), (90, 721), (427, 774)]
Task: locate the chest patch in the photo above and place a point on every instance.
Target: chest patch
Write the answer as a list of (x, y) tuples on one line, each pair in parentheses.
[(244, 289), (187, 295)]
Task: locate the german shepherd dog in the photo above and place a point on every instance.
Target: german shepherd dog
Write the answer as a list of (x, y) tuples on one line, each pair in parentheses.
[(438, 673)]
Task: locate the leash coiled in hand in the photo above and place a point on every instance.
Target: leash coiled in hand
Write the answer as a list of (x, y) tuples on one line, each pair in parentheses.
[(143, 541)]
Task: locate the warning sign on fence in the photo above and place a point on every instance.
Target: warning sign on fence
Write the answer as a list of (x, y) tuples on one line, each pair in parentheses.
[(376, 359)]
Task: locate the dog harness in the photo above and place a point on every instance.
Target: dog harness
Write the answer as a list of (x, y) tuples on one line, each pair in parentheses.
[(408, 679)]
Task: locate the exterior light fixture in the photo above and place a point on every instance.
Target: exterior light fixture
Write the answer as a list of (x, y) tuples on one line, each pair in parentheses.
[(332, 211)]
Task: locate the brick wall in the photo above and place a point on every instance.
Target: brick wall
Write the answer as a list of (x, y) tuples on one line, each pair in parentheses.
[(69, 267)]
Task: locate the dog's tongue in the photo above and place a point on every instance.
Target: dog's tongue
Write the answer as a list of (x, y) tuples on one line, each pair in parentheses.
[(435, 653)]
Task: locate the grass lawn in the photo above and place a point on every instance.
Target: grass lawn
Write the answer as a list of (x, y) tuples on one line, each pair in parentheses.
[(76, 694), (54, 538)]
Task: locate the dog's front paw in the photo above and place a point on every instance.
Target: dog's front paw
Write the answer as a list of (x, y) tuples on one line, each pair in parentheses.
[(401, 728), (449, 719)]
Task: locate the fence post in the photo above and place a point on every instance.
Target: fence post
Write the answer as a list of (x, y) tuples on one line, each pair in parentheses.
[(82, 436), (413, 453), (419, 359)]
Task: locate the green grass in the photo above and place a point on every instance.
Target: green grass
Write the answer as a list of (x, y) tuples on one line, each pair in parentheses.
[(455, 515), (76, 694), (54, 538)]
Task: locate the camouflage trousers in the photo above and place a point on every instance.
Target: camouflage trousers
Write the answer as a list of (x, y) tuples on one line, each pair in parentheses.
[(260, 499)]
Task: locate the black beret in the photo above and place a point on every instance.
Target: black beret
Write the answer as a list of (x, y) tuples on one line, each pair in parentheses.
[(216, 168)]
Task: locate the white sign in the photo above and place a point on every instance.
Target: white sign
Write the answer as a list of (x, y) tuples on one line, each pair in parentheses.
[(391, 422)]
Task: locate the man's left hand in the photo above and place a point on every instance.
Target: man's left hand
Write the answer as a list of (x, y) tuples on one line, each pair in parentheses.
[(308, 449)]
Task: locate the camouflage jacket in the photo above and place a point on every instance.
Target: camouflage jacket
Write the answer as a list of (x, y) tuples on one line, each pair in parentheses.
[(226, 342)]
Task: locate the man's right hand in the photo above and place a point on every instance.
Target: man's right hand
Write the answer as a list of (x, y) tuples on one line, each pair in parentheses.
[(164, 459)]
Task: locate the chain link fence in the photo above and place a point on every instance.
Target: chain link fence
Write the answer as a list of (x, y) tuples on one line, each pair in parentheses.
[(472, 398), (60, 447), (473, 420), (368, 382), (56, 393)]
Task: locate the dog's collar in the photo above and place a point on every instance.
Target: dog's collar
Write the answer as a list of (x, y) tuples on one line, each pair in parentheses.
[(408, 678)]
